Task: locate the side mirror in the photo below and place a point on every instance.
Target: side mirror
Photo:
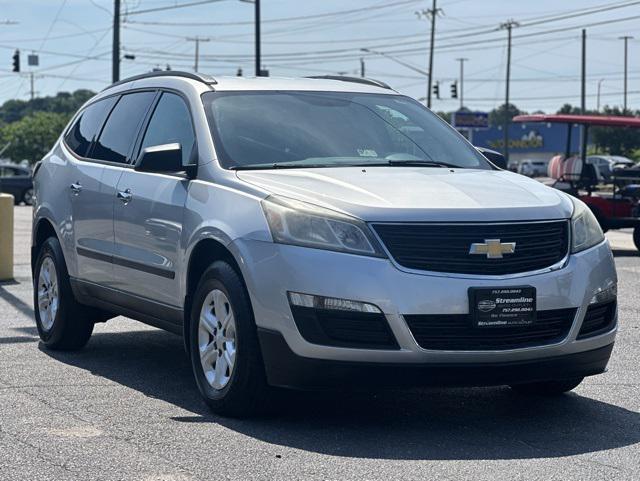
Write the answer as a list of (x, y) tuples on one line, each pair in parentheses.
[(161, 158), (494, 157)]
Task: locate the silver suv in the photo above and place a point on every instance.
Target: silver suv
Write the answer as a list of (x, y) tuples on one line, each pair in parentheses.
[(314, 233)]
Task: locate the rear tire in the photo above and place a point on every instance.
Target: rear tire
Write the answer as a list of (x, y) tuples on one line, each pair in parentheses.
[(547, 388), (62, 322), (636, 237), (225, 353)]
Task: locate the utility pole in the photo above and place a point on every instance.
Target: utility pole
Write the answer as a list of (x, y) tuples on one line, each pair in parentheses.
[(32, 92), (461, 91), (508, 25), (431, 14), (362, 71), (626, 41), (257, 34), (197, 40), (115, 54)]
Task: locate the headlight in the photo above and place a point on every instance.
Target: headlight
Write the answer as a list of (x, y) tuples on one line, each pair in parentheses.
[(302, 224), (585, 230)]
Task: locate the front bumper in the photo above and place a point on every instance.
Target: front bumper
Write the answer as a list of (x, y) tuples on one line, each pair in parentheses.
[(286, 369), (270, 270)]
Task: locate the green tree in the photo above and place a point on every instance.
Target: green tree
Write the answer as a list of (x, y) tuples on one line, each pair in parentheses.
[(616, 140), (446, 116), (33, 136), (62, 103), (497, 116)]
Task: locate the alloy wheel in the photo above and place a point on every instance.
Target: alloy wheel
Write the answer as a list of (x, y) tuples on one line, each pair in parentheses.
[(217, 339), (48, 294)]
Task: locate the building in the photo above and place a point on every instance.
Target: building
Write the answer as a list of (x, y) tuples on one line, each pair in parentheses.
[(538, 141)]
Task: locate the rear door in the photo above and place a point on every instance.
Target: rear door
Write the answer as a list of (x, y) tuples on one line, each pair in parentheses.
[(148, 216), (91, 220), (94, 190)]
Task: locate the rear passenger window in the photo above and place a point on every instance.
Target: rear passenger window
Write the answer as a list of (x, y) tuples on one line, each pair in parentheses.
[(171, 123), (87, 126), (119, 133)]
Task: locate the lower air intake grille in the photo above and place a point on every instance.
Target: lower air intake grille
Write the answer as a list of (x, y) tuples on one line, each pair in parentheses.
[(600, 318), (456, 332), (344, 328)]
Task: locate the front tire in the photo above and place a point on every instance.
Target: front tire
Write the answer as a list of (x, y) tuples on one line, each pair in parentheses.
[(547, 388), (62, 322), (225, 353)]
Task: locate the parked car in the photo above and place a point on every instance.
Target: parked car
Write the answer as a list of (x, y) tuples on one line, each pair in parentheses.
[(605, 164), (314, 233), (16, 180), (532, 168)]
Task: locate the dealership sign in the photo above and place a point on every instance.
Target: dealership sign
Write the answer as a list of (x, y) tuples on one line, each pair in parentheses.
[(470, 120)]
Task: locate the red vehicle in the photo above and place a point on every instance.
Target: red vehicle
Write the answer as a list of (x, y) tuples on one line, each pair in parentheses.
[(616, 209)]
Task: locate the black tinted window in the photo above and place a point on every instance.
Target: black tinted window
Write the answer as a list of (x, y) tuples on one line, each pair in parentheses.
[(119, 132), (87, 126), (170, 123)]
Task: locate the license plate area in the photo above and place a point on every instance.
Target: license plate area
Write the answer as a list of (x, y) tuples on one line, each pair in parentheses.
[(495, 307)]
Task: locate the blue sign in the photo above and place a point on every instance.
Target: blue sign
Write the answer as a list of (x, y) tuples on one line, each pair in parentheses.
[(530, 137), (470, 120)]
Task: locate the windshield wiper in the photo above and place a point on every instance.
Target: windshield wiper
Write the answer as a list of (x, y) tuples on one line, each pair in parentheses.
[(375, 163), (424, 163), (277, 165)]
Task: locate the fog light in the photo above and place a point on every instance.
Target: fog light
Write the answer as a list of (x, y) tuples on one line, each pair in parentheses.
[(332, 303), (604, 295)]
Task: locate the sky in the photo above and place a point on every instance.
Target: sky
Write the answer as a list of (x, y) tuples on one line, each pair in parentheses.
[(315, 37)]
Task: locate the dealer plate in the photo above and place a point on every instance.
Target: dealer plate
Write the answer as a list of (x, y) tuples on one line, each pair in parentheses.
[(502, 306)]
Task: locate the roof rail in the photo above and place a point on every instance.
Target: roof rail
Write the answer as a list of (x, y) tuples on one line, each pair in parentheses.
[(207, 79), (358, 80)]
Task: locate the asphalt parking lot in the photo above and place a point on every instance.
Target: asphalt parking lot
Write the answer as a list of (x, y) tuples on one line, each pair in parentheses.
[(126, 408)]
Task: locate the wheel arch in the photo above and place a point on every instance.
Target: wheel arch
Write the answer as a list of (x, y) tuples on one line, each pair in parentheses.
[(203, 254), (42, 230)]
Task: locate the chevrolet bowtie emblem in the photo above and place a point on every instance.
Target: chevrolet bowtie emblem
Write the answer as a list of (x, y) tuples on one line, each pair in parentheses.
[(492, 248)]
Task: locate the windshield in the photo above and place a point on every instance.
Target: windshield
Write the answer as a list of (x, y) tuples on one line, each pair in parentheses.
[(269, 129)]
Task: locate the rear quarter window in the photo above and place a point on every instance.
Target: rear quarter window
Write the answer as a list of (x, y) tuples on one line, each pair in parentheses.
[(84, 130)]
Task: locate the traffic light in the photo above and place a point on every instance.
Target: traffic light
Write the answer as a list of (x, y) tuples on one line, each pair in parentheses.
[(436, 90), (454, 90), (16, 61)]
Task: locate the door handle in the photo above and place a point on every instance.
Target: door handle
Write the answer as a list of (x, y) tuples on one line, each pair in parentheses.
[(125, 196), (76, 188)]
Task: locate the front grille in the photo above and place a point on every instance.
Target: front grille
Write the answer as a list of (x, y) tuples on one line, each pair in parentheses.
[(599, 319), (330, 327), (445, 247), (456, 331)]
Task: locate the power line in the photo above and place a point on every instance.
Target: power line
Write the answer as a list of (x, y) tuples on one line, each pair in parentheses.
[(169, 7), (55, 19), (447, 47), (273, 20)]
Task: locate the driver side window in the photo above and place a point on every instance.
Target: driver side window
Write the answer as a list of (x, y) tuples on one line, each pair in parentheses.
[(171, 123)]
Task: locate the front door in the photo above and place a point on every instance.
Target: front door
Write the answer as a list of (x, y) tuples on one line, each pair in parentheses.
[(148, 212)]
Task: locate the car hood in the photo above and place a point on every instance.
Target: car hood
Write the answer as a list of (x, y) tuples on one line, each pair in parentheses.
[(417, 194)]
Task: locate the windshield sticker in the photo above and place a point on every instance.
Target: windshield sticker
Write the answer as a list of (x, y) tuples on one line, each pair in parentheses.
[(367, 153)]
